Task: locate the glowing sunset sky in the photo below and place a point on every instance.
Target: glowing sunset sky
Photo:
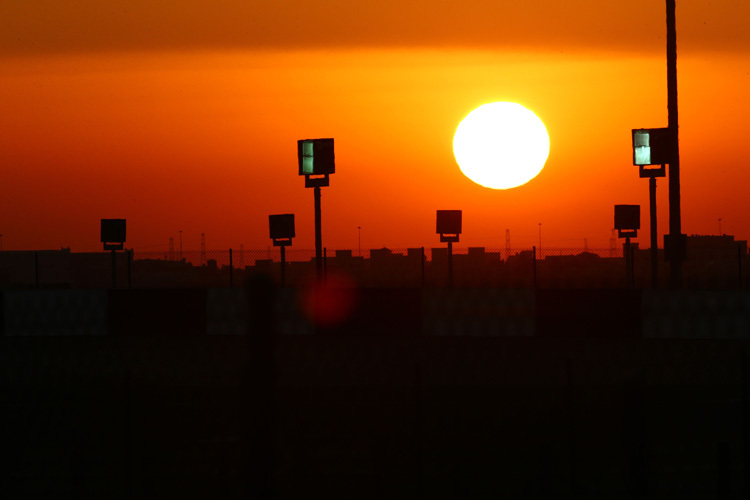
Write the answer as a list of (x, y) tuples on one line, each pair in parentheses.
[(185, 116)]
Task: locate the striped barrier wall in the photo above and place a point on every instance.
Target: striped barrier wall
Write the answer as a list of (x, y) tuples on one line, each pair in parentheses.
[(660, 314)]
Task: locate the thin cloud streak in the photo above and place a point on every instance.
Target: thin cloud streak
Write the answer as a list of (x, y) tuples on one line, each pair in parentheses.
[(36, 27)]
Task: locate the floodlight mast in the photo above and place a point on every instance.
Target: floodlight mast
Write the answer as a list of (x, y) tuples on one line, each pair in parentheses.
[(316, 162), (449, 229), (281, 229), (627, 223), (652, 147), (112, 235)]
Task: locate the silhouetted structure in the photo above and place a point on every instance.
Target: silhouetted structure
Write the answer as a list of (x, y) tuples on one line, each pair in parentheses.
[(316, 162), (449, 229), (719, 262), (281, 228)]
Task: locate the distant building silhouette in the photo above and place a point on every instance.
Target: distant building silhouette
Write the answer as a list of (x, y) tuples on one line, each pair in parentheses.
[(713, 262)]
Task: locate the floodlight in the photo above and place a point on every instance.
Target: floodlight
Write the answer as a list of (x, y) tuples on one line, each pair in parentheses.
[(316, 157), (651, 146), (113, 233), (627, 220), (281, 229), (448, 222)]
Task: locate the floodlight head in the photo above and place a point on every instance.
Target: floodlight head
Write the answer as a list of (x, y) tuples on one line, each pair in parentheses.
[(651, 146), (316, 157), (448, 222), (281, 229), (112, 233), (627, 220)]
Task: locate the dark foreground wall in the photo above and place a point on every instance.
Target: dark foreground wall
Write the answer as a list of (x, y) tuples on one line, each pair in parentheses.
[(699, 314), (374, 410)]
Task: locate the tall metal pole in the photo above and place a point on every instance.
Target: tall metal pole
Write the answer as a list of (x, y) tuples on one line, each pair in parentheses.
[(675, 221), (318, 237), (283, 266), (654, 243)]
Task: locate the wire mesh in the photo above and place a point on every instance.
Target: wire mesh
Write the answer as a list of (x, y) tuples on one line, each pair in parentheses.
[(714, 264)]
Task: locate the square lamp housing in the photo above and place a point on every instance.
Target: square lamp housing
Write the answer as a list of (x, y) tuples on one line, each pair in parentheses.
[(448, 222), (113, 231), (627, 217), (651, 146), (281, 226), (316, 157)]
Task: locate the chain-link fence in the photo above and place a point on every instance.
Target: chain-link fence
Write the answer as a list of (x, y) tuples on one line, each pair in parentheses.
[(549, 267), (724, 266)]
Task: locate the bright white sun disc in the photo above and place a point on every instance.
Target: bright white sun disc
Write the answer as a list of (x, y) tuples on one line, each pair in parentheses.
[(501, 145)]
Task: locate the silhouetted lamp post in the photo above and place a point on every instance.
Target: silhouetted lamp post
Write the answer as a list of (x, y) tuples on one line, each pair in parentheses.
[(651, 148), (449, 229), (113, 237), (316, 163), (281, 228), (627, 223)]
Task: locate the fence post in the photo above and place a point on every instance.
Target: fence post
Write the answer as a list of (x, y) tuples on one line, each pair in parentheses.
[(632, 267), (114, 269), (533, 264), (231, 270), (626, 258), (739, 265), (422, 262)]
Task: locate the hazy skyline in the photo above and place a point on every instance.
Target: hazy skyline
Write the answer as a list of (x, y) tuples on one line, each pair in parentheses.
[(186, 117)]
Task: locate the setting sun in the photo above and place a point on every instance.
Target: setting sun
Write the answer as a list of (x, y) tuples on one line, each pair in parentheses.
[(501, 145)]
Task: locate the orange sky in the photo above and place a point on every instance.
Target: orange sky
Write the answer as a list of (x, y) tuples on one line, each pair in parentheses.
[(187, 118)]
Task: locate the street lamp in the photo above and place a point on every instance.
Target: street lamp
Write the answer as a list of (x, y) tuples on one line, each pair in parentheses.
[(316, 162), (281, 229), (651, 153), (449, 229), (627, 223), (112, 235)]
